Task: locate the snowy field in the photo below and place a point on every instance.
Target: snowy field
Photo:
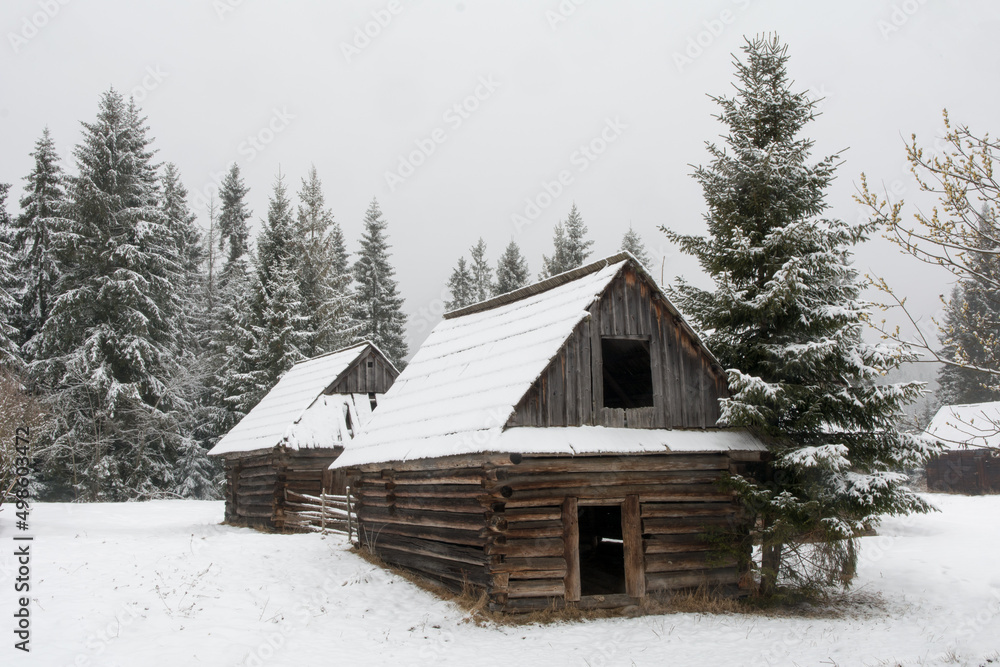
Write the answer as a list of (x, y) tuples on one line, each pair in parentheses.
[(162, 583)]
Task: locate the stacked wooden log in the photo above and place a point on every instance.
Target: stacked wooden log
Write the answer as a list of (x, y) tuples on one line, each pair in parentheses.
[(257, 483), (322, 513), (250, 483), (508, 523)]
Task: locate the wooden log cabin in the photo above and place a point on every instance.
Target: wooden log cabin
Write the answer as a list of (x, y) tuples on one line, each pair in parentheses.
[(288, 440), (970, 461), (557, 445)]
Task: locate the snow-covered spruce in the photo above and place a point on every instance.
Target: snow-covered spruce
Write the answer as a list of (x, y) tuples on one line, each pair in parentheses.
[(512, 270), (107, 353), (325, 280), (379, 308), (787, 318), (571, 247)]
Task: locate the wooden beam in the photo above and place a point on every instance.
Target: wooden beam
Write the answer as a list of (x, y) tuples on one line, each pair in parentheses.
[(635, 568), (571, 549)]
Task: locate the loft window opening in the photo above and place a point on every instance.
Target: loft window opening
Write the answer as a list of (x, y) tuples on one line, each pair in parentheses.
[(628, 373)]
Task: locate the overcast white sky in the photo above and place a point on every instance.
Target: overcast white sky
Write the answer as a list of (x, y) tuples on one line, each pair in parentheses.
[(550, 77)]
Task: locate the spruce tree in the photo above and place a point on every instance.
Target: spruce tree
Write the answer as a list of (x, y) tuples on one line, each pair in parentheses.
[(280, 326), (10, 356), (786, 319), (42, 215), (106, 353), (559, 261), (281, 332), (276, 245), (379, 308), (190, 250), (571, 248), (234, 348), (577, 244), (482, 273), (512, 270), (461, 286), (233, 215), (971, 326), (323, 270), (197, 475), (632, 243)]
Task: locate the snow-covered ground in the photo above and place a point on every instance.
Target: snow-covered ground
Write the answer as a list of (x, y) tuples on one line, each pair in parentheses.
[(162, 583)]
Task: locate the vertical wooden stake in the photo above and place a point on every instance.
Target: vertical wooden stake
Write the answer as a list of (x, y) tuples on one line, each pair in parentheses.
[(350, 533), (571, 549), (322, 512), (635, 569)]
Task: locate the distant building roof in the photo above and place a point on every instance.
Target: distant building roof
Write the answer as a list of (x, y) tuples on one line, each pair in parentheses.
[(295, 412), (966, 426), (463, 384)]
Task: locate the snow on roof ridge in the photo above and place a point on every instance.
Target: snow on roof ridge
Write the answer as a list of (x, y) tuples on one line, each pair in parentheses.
[(540, 286)]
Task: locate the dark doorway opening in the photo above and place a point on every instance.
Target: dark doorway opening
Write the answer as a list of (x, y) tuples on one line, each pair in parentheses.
[(628, 373), (602, 553)]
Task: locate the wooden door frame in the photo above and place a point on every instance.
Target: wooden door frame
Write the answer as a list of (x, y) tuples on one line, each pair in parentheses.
[(635, 567)]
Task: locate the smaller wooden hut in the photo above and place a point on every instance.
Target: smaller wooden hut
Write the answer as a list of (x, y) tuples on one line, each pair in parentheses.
[(970, 463), (557, 445), (288, 440)]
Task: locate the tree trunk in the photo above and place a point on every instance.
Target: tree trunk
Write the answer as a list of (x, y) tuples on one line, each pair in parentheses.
[(770, 561)]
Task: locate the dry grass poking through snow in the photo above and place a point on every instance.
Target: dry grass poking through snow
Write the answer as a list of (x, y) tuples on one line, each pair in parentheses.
[(474, 603)]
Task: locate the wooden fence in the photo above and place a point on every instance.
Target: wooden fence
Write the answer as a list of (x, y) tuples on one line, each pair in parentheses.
[(323, 513)]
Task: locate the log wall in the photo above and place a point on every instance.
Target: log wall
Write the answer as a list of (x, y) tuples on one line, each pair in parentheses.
[(972, 472), (256, 483), (510, 528), (687, 385)]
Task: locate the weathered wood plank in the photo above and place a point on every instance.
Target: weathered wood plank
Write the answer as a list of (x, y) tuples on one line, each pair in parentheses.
[(571, 548), (454, 520), (533, 588), (369, 531), (609, 478), (635, 572), (519, 564), (528, 548), (666, 510), (515, 516), (631, 463), (534, 529), (677, 525), (461, 554), (678, 562), (678, 543), (660, 581)]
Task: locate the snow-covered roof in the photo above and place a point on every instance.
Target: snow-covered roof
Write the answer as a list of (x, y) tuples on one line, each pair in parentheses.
[(463, 384), (969, 425), (295, 413)]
